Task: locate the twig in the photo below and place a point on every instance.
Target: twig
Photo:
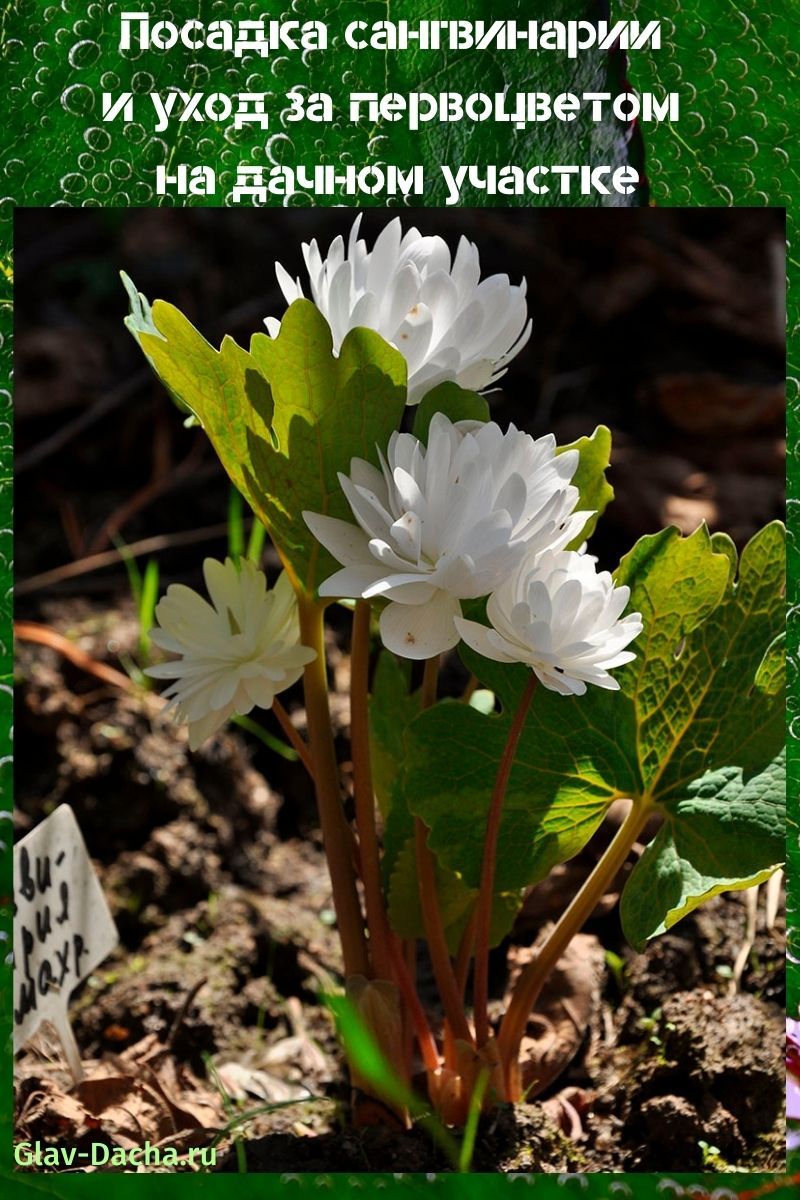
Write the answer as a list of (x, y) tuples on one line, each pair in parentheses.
[(751, 903), (145, 496), (30, 631), (106, 404), (774, 885), (109, 558), (180, 1016)]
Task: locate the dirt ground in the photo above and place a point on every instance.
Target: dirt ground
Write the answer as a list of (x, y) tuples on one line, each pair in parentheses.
[(210, 1006), (665, 326)]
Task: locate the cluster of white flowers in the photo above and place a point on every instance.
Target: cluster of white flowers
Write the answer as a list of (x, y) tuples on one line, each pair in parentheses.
[(445, 523), (474, 513)]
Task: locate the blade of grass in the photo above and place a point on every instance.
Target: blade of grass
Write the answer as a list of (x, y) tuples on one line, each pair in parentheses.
[(241, 1156), (471, 1127), (147, 607), (366, 1057), (263, 1110), (131, 569), (235, 525), (255, 542), (264, 735)]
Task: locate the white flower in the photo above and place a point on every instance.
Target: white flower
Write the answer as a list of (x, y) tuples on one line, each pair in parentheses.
[(559, 616), (445, 524), (445, 322), (236, 654)]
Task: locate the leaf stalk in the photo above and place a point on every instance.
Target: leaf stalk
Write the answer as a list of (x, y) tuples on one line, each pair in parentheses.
[(336, 835), (483, 919), (377, 923), (535, 975)]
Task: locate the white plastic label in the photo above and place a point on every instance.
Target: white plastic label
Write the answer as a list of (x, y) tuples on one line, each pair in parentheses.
[(62, 927)]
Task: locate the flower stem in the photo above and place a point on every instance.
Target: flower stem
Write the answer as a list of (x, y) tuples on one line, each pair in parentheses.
[(364, 794), (434, 934), (464, 956), (429, 900), (335, 833), (419, 1022), (430, 680), (294, 737), (483, 920), (534, 976)]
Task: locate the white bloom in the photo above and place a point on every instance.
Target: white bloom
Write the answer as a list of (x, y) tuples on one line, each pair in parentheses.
[(560, 616), (445, 322), (237, 652), (446, 524)]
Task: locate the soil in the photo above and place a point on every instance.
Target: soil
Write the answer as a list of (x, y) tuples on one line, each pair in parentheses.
[(209, 1008), (665, 325)]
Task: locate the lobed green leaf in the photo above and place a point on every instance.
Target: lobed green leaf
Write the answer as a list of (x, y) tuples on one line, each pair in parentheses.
[(286, 417), (595, 492), (696, 731)]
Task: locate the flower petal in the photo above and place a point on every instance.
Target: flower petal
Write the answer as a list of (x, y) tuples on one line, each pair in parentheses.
[(421, 630)]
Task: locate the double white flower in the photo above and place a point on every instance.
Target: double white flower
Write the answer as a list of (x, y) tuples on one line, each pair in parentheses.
[(445, 321), (446, 523), (236, 653), (561, 617)]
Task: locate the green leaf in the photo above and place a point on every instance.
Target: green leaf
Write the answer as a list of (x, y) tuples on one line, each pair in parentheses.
[(140, 321), (391, 709), (286, 417), (456, 902), (596, 493), (697, 682), (726, 833), (571, 764), (698, 719), (455, 402)]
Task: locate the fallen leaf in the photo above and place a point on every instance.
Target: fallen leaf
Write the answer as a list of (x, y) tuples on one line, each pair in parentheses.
[(569, 1000)]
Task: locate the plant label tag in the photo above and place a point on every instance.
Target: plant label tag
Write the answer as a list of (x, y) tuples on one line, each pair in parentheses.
[(62, 928)]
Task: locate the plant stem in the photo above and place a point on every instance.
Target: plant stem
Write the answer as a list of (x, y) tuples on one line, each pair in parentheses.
[(534, 976), (335, 833), (292, 734), (465, 948), (434, 934), (430, 680), (419, 1022), (429, 900), (365, 795), (483, 920)]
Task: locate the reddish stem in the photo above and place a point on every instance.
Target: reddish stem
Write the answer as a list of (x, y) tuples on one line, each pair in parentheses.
[(365, 795), (483, 919), (427, 1044)]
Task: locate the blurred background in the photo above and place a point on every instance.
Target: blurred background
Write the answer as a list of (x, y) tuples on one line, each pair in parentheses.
[(666, 325)]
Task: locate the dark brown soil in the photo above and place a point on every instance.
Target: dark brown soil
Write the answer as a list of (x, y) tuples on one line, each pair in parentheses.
[(218, 885)]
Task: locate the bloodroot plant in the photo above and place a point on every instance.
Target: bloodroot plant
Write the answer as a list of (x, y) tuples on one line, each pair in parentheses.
[(659, 685)]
